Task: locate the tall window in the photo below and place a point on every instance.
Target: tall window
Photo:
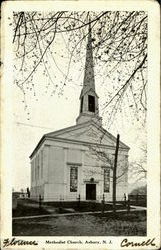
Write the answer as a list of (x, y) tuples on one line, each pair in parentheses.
[(38, 167), (32, 171), (91, 103), (106, 180), (73, 179), (41, 163), (81, 108), (35, 175)]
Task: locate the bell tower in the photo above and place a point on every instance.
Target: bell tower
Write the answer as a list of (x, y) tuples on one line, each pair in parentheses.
[(89, 108)]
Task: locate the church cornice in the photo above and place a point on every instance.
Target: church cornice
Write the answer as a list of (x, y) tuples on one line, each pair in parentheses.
[(74, 164), (92, 116), (84, 143), (53, 136)]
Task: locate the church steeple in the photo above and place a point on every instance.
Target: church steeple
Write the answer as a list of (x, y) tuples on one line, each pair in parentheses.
[(89, 81), (89, 109)]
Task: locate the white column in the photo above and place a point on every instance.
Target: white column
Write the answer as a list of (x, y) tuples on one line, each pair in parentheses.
[(82, 184), (46, 170), (65, 182)]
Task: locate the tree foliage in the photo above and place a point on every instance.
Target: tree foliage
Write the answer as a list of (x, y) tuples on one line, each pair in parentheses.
[(53, 43), (107, 160), (138, 168), (139, 191)]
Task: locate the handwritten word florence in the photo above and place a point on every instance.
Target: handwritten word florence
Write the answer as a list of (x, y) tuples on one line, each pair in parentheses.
[(7, 242)]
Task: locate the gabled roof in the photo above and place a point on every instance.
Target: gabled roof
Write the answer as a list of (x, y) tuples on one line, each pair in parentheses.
[(88, 132)]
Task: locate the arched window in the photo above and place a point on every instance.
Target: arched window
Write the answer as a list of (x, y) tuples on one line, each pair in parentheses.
[(106, 180), (81, 108), (91, 103), (73, 179)]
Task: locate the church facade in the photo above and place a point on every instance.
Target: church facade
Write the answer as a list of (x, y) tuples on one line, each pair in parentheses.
[(78, 161)]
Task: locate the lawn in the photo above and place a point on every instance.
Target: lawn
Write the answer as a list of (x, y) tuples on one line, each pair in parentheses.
[(27, 207), (132, 224)]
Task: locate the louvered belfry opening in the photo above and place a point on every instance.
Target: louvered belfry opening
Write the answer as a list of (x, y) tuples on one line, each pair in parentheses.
[(91, 103)]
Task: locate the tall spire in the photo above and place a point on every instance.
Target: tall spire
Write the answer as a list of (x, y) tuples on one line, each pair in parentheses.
[(89, 81), (89, 109)]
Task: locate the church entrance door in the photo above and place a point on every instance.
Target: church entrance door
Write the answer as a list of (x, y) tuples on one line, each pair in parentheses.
[(90, 191)]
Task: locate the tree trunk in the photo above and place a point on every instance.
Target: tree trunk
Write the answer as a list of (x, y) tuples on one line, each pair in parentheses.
[(114, 174)]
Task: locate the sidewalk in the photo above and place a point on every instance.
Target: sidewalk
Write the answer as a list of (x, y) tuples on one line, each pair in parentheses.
[(134, 208), (137, 207)]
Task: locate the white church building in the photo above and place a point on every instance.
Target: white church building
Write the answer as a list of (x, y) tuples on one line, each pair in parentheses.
[(78, 161)]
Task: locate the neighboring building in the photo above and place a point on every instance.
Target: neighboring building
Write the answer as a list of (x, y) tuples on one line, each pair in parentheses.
[(78, 160), (16, 196)]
